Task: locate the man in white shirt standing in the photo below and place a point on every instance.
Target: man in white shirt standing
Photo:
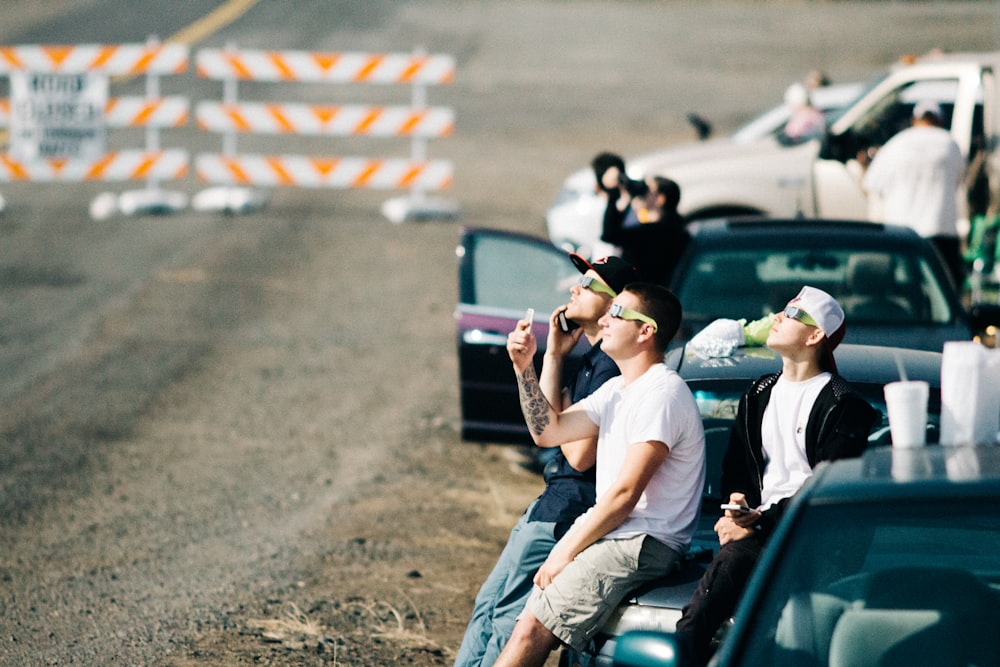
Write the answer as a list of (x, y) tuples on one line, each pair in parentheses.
[(916, 176), (650, 474)]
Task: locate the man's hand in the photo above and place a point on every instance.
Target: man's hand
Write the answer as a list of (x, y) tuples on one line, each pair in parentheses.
[(736, 525), (611, 179), (552, 566), (521, 345), (559, 342), (730, 531)]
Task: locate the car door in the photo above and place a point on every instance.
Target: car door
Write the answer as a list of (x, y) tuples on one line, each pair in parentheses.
[(878, 115), (500, 275)]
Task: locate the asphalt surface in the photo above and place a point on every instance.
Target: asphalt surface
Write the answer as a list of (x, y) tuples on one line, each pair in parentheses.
[(190, 405)]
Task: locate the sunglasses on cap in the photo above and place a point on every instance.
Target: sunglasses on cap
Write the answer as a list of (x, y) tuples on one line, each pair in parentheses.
[(796, 313), (621, 312), (595, 285)]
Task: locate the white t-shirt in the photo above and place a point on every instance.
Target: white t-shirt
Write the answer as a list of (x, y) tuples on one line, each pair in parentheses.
[(657, 406), (783, 433), (917, 174)]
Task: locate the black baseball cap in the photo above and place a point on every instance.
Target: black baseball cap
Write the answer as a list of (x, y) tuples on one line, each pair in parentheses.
[(614, 271)]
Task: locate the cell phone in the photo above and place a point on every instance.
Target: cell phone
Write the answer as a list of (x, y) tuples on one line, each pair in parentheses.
[(733, 507), (530, 316), (566, 325)]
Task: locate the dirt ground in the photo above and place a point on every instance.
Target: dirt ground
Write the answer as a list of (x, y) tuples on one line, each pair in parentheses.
[(243, 447)]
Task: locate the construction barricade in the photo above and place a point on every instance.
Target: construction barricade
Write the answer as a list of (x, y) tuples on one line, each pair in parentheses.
[(59, 113), (235, 175)]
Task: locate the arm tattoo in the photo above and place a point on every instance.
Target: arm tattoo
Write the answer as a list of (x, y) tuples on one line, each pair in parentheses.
[(534, 405)]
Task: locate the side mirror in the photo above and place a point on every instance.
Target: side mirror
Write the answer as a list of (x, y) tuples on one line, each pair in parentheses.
[(647, 648)]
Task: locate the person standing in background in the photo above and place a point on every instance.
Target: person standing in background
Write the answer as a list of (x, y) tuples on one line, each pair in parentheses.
[(916, 176)]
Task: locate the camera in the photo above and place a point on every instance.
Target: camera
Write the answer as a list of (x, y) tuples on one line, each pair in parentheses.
[(632, 187)]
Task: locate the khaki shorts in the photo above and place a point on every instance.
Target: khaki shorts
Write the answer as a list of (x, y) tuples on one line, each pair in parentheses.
[(582, 597)]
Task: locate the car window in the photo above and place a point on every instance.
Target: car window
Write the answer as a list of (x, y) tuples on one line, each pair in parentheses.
[(509, 272), (894, 111), (874, 287), (937, 566)]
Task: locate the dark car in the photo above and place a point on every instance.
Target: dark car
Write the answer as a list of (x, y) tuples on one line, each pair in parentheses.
[(890, 559), (717, 385), (891, 282)]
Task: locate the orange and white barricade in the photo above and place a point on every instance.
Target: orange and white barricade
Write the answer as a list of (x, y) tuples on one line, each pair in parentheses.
[(235, 174), (152, 112)]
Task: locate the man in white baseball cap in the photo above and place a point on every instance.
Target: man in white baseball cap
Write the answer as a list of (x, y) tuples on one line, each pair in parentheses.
[(786, 423)]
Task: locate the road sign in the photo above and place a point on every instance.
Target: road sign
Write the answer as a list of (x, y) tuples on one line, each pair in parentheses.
[(58, 115)]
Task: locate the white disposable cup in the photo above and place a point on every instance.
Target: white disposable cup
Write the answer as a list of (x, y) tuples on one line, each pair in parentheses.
[(906, 403)]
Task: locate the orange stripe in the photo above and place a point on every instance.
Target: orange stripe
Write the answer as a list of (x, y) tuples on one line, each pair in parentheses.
[(146, 165), (236, 117), (103, 56), (234, 168), (57, 164), (412, 70), (17, 170), (411, 176), (143, 62), (279, 62), (326, 61), (57, 54), (5, 105), (279, 117), (411, 123), (324, 165), (366, 123), (146, 113), (366, 176), (241, 71), (279, 169), (9, 54), (372, 65), (325, 114), (97, 170)]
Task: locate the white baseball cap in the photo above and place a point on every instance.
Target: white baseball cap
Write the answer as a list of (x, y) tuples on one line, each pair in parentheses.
[(920, 109), (828, 315)]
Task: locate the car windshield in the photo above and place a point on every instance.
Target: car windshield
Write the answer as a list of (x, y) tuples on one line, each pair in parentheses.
[(873, 286), (860, 579)]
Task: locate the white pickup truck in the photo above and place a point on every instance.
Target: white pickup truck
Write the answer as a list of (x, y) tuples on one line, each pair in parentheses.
[(820, 178)]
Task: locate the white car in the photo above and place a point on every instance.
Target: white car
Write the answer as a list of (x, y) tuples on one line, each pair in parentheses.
[(750, 172)]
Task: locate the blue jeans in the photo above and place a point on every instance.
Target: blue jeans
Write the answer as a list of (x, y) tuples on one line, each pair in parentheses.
[(502, 596)]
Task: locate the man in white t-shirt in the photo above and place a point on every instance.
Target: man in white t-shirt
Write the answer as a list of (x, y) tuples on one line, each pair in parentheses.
[(915, 177), (786, 423), (650, 473)]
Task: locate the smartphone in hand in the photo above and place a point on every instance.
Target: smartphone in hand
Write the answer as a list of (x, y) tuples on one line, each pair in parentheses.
[(733, 507), (566, 325)]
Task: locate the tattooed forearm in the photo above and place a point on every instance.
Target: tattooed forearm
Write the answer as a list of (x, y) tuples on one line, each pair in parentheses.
[(534, 405)]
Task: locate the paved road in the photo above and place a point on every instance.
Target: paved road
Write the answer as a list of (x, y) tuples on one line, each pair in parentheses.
[(184, 397)]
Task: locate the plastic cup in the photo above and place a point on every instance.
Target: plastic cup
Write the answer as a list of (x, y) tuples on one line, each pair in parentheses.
[(906, 403)]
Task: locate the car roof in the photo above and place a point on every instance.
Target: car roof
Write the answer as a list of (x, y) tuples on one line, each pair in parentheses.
[(736, 232), (857, 363), (931, 472)]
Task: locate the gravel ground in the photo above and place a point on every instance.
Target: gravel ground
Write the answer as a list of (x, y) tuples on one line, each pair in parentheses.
[(251, 456)]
